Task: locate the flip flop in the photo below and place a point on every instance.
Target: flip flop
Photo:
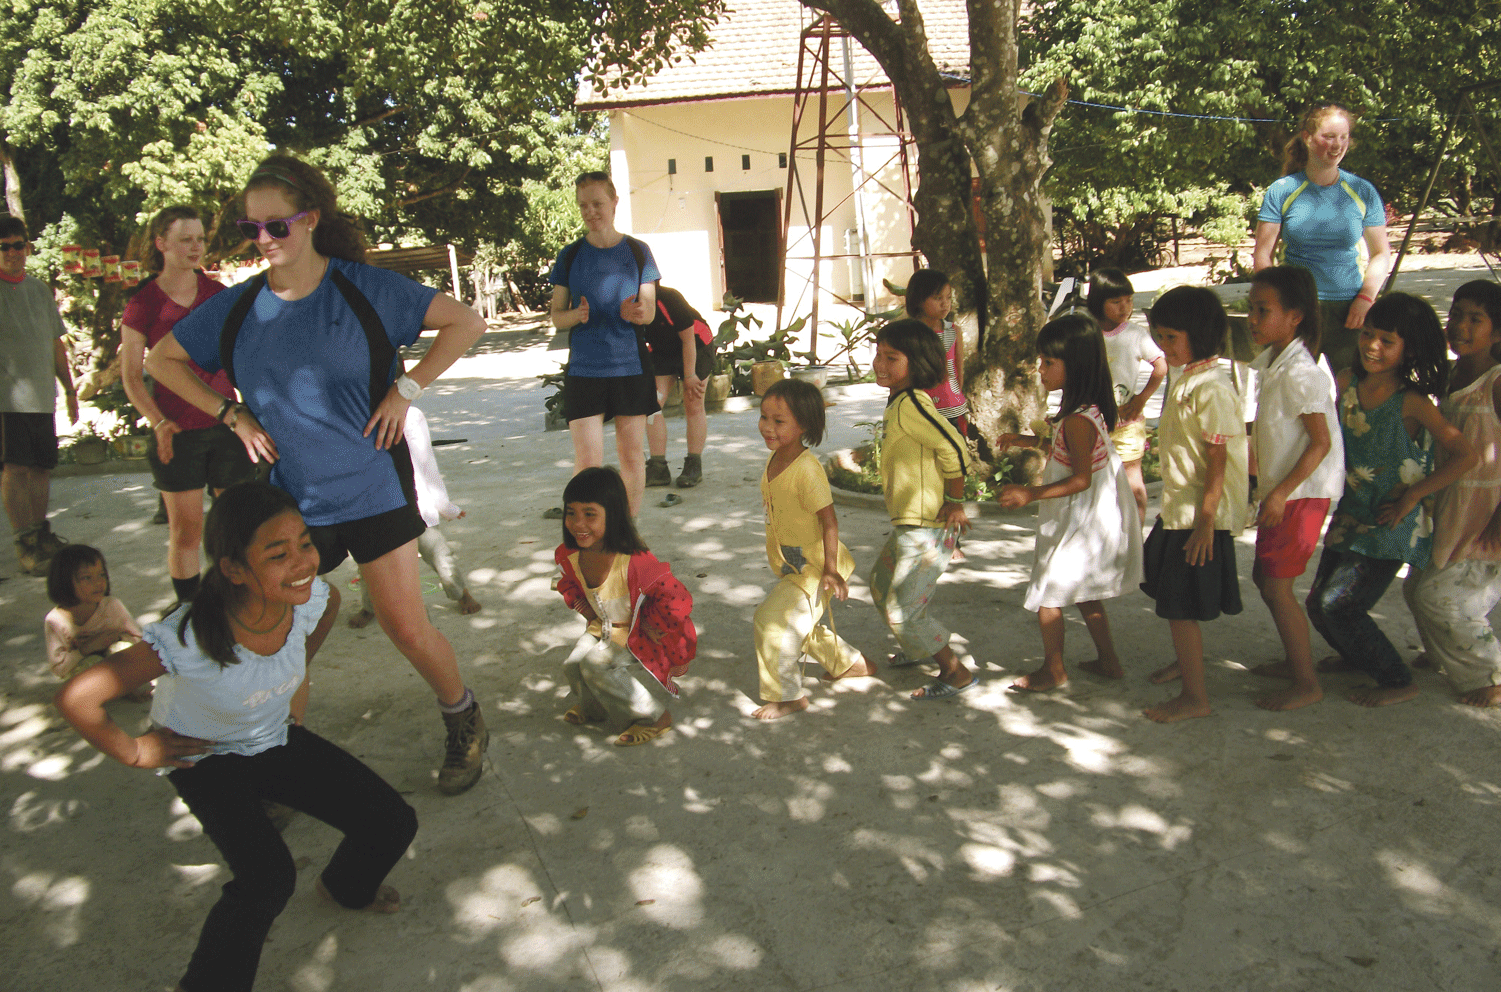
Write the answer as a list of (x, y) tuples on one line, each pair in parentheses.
[(671, 499), (555, 513), (638, 733), (900, 660), (939, 689), (577, 717)]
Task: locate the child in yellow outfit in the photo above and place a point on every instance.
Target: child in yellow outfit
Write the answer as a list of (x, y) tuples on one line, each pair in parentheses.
[(803, 547)]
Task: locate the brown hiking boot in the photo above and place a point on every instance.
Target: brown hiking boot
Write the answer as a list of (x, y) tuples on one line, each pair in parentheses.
[(464, 756), (47, 542), (658, 473)]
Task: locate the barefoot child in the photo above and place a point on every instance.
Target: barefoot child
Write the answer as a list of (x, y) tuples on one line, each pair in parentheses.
[(803, 547), (226, 722), (1129, 346), (1190, 554), (637, 612), (86, 622), (1088, 534), (434, 506), (1300, 456), (922, 473), (1452, 598), (1380, 522)]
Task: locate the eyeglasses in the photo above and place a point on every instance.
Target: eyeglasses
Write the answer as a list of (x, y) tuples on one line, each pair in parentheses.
[(13, 245), (278, 229)]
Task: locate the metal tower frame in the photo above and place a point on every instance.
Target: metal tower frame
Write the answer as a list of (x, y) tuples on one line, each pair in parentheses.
[(817, 78)]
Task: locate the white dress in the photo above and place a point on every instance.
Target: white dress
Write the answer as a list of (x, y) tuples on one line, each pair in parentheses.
[(1088, 544)]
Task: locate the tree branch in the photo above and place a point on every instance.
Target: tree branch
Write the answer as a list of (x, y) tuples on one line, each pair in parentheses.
[(380, 117), (444, 191)]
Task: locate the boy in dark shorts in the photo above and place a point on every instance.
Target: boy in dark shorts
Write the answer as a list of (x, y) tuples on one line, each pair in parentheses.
[(681, 348)]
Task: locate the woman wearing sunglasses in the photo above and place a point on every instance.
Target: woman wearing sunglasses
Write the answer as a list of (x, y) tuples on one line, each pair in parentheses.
[(603, 286), (302, 358), (189, 450)]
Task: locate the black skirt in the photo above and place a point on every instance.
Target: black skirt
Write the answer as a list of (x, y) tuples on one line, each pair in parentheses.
[(1189, 592)]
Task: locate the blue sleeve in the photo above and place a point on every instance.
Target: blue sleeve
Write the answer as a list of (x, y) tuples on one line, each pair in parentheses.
[(1271, 203), (555, 276), (401, 302), (162, 636), (198, 331), (649, 272), (1375, 211), (305, 617)]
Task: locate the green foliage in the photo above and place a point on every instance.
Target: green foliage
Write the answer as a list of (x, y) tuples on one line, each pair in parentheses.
[(1115, 173), (431, 118)]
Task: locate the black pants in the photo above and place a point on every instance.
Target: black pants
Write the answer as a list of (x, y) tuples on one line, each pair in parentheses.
[(309, 774)]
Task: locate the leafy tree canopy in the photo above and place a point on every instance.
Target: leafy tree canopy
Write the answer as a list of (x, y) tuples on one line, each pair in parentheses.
[(1396, 62)]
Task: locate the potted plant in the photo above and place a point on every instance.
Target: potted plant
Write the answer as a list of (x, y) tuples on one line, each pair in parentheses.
[(89, 448)]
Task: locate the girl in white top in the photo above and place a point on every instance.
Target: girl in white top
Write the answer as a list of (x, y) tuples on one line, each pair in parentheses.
[(1128, 346), (227, 727), (1088, 532), (1300, 458), (86, 622)]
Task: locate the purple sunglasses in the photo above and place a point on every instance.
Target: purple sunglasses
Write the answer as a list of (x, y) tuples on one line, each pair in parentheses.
[(278, 229)]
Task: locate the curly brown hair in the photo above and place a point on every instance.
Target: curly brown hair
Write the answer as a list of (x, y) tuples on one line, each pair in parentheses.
[(337, 235)]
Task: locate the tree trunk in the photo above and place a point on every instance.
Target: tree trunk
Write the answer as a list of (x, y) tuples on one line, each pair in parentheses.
[(12, 180), (1005, 141)]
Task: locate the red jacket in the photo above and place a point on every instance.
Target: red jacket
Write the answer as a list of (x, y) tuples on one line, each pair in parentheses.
[(657, 599)]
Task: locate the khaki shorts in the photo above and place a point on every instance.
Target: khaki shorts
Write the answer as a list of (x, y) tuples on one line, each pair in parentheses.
[(1130, 440)]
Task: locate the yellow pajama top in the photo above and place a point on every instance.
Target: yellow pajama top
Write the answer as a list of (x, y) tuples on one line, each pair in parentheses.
[(792, 501)]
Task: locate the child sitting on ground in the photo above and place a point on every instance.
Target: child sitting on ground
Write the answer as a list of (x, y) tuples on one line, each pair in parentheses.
[(86, 623)]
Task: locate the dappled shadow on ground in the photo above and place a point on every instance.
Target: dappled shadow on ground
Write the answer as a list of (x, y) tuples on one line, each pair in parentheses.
[(988, 842)]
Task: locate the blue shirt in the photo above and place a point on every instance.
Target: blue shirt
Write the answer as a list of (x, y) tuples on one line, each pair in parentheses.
[(243, 708), (604, 346), (1322, 227), (303, 368)]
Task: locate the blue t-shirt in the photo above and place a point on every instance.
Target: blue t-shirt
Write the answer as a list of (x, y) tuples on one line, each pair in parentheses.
[(303, 368), (242, 708), (1322, 227), (605, 345)]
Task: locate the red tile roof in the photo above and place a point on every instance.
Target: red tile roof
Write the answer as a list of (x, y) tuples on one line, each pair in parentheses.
[(755, 49)]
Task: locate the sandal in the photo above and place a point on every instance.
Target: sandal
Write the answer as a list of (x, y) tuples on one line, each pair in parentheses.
[(671, 499), (578, 717), (939, 689), (900, 660), (640, 733), (555, 513)]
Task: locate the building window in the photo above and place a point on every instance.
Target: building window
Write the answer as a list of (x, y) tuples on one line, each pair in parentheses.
[(708, 163), (672, 167), (781, 160), (745, 162)]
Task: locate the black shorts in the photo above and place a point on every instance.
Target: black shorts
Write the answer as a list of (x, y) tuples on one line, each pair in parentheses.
[(369, 538), (28, 439), (616, 396), (667, 356), (205, 458)]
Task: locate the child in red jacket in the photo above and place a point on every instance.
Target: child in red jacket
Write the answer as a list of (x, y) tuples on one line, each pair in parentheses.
[(637, 612)]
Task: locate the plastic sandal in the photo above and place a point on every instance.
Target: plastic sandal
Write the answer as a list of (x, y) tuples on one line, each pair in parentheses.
[(555, 513), (640, 733), (578, 717), (938, 689), (671, 499), (900, 660)]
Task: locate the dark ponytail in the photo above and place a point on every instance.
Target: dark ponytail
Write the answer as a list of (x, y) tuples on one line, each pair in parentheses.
[(227, 532)]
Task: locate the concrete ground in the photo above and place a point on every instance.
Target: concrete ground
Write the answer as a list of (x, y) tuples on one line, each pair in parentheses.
[(990, 842)]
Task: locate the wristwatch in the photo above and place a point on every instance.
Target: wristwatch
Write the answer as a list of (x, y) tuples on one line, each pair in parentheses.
[(408, 388)]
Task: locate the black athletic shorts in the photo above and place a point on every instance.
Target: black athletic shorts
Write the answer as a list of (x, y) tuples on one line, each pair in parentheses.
[(616, 396), (369, 538), (205, 458), (29, 439), (667, 355)]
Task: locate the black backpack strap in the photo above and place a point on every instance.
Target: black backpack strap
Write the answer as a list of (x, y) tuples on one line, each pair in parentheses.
[(565, 261), (382, 352), (230, 332)]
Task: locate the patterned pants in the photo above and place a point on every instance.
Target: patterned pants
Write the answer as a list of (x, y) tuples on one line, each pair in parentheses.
[(602, 675), (783, 622), (1451, 606), (903, 581)]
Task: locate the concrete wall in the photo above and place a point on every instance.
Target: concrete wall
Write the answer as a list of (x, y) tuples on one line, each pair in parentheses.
[(676, 214)]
